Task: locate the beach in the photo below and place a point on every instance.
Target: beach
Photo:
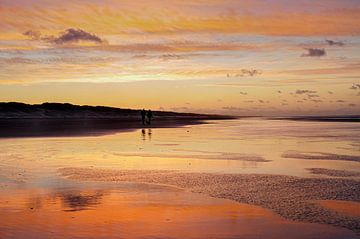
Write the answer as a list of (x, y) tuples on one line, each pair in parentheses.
[(240, 178)]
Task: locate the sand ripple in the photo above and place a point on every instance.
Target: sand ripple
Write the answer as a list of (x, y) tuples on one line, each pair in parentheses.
[(333, 172), (319, 156)]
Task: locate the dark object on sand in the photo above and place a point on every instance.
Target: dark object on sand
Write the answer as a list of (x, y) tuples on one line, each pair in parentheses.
[(143, 115), (149, 116)]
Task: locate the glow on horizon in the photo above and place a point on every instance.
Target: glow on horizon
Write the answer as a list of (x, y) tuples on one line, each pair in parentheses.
[(231, 57)]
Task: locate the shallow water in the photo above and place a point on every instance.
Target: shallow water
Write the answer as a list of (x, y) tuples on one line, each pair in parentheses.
[(29, 179), (233, 146), (141, 211)]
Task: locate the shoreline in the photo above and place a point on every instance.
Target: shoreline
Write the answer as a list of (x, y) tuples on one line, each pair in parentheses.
[(70, 127)]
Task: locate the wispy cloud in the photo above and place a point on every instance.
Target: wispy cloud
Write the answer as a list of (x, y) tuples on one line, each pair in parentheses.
[(314, 52), (34, 35), (334, 43), (355, 87), (161, 17), (232, 108), (69, 36), (301, 92), (313, 96), (244, 72), (72, 35), (181, 108)]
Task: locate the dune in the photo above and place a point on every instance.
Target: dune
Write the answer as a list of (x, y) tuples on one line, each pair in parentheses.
[(64, 119)]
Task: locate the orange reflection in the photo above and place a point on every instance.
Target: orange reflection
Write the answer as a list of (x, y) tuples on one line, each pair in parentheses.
[(344, 207), (160, 213)]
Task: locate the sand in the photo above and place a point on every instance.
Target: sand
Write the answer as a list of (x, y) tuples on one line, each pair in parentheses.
[(67, 127), (204, 155), (333, 172), (343, 207), (291, 197), (319, 156)]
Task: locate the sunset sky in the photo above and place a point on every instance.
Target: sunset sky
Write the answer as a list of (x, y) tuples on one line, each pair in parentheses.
[(273, 57)]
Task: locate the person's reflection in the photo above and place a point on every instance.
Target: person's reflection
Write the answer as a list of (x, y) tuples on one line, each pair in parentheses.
[(149, 134), (143, 134)]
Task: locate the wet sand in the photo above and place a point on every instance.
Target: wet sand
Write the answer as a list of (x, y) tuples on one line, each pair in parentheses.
[(319, 156), (333, 172), (348, 118), (237, 160), (143, 211), (290, 197), (342, 207)]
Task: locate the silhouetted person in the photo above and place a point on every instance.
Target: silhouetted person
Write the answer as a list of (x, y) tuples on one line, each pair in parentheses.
[(143, 115), (149, 116)]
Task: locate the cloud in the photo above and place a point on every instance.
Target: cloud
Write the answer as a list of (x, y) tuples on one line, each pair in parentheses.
[(300, 92), (352, 105), (232, 108), (245, 72), (243, 93), (279, 91), (166, 57), (114, 17), (340, 101), (34, 35), (345, 69), (250, 72), (313, 95), (355, 87), (314, 52), (334, 43), (179, 108), (330, 92), (70, 36)]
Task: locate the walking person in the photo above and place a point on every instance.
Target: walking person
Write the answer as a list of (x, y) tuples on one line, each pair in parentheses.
[(143, 115), (149, 116)]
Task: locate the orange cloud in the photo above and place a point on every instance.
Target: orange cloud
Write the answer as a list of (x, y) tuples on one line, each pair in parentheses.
[(111, 18)]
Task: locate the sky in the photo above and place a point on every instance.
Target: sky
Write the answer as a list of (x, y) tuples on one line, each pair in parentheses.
[(238, 57)]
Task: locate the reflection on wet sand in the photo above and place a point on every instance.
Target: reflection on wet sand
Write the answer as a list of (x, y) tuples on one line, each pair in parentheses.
[(146, 135), (290, 197), (239, 160), (348, 208), (78, 201), (143, 214)]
